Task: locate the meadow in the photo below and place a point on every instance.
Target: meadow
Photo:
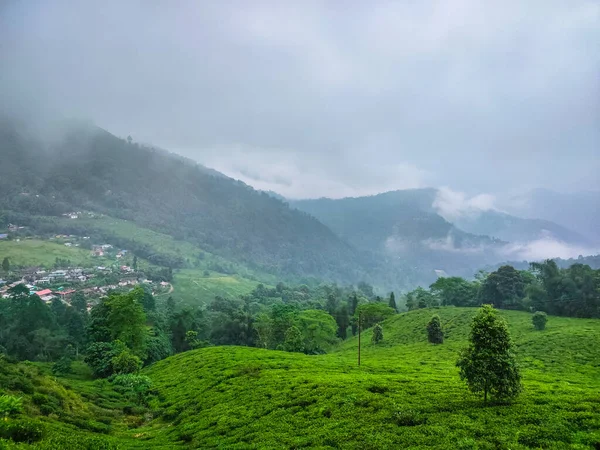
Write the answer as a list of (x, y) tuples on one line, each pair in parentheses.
[(405, 394), (43, 253)]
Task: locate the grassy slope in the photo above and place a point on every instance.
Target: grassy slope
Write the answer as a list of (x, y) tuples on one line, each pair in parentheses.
[(406, 393), (191, 287), (35, 252)]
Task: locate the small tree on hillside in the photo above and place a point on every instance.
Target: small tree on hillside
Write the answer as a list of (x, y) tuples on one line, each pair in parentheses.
[(6, 264), (539, 320), (392, 302), (435, 334), (293, 340), (488, 364), (377, 334)]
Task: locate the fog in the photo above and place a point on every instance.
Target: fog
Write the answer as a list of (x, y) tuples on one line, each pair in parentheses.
[(326, 99)]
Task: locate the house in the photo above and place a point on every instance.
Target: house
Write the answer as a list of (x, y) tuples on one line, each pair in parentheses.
[(3, 236), (43, 293), (66, 294)]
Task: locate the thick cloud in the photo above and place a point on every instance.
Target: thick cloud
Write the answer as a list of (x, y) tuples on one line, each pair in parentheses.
[(326, 98)]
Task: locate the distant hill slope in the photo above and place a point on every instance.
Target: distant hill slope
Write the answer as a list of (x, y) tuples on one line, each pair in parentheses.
[(579, 211), (406, 225), (516, 229), (406, 393), (88, 168)]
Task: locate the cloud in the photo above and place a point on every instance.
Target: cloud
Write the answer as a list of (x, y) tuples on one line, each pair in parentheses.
[(544, 248), (296, 176), (369, 96), (453, 205)]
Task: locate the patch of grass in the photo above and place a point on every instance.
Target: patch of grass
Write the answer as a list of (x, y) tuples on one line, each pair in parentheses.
[(37, 252)]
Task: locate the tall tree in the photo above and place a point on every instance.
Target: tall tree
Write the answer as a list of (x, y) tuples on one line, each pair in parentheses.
[(342, 320), (488, 364), (6, 264), (392, 302), (503, 288), (127, 320)]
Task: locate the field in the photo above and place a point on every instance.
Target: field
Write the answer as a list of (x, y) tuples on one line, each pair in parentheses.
[(406, 394), (36, 252), (193, 288)]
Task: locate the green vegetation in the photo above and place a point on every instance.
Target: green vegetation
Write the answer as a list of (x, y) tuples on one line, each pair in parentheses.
[(406, 393), (435, 334), (539, 320), (488, 364), (37, 252)]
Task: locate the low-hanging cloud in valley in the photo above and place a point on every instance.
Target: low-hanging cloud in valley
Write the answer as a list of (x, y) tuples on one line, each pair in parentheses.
[(452, 205)]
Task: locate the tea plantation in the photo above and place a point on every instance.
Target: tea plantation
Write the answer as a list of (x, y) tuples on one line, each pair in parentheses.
[(406, 394)]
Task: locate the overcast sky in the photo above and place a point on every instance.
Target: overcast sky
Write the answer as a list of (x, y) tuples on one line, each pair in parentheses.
[(326, 98)]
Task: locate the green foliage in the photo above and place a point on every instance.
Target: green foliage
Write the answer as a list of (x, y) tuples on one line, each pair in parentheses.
[(125, 363), (539, 320), (435, 334), (27, 431), (6, 264), (10, 405), (392, 302), (138, 385), (455, 291), (318, 330), (99, 356), (377, 334), (372, 313), (488, 364), (127, 320), (504, 288), (293, 340)]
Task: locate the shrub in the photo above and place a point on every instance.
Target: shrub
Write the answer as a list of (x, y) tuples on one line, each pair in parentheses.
[(21, 430), (137, 385), (126, 362), (10, 405), (377, 334), (435, 334), (539, 320)]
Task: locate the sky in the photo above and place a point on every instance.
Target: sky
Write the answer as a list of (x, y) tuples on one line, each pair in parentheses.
[(329, 98)]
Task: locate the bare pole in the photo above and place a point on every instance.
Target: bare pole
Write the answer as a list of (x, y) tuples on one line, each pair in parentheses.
[(359, 321)]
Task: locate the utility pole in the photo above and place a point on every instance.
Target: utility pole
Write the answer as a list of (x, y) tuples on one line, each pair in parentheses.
[(359, 323)]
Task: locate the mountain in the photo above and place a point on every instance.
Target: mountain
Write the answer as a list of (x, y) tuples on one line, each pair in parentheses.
[(88, 168), (516, 229), (579, 211), (407, 227)]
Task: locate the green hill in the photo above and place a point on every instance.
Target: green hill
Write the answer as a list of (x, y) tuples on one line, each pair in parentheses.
[(406, 394), (87, 168)]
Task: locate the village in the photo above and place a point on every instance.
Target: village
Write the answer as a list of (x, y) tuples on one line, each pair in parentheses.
[(95, 282)]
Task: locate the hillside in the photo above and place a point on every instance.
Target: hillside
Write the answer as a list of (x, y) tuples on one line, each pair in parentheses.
[(406, 227), (88, 168), (405, 394)]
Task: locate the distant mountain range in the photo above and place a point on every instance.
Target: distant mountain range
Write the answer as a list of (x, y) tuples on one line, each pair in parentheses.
[(393, 240)]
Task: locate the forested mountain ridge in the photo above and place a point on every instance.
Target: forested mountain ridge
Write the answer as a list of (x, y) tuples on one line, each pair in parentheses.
[(89, 168), (412, 215)]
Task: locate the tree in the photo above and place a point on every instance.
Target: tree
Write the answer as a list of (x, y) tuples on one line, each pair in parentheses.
[(377, 334), (127, 320), (318, 330), (539, 320), (373, 313), (342, 320), (293, 340), (503, 288), (488, 364), (435, 334), (455, 291), (78, 302), (6, 264), (392, 302), (135, 263), (126, 362)]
